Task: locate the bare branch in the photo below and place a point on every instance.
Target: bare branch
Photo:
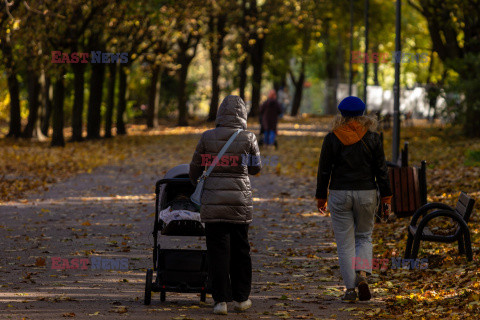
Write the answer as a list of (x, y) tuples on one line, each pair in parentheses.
[(415, 6), (8, 11), (42, 13)]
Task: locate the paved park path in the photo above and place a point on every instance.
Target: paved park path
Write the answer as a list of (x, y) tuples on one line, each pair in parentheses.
[(109, 214)]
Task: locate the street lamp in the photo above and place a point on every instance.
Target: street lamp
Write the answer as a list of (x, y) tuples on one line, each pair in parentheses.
[(396, 86)]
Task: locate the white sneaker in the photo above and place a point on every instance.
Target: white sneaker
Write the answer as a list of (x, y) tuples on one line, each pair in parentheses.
[(242, 306), (220, 308)]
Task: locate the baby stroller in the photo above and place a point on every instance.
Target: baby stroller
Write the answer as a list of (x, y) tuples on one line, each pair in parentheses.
[(177, 270)]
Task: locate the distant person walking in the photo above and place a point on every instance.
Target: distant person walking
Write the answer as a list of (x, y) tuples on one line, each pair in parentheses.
[(352, 166), (269, 112)]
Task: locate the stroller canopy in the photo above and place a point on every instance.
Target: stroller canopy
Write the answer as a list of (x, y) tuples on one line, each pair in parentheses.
[(180, 170)]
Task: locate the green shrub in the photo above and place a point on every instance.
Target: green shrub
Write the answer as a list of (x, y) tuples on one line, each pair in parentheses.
[(472, 158)]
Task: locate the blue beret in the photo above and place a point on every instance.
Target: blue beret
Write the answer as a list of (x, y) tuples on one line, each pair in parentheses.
[(351, 107)]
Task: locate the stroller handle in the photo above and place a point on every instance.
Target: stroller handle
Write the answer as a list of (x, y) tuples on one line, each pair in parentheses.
[(164, 181)]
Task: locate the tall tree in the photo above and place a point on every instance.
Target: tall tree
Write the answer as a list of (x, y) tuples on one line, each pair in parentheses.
[(190, 26), (454, 28), (307, 27), (260, 17), (122, 99), (256, 54), (58, 139), (159, 57), (15, 128), (331, 71), (244, 49), (7, 22), (46, 99), (97, 77), (33, 86), (128, 34), (88, 15), (112, 76), (216, 34), (78, 101), (46, 89)]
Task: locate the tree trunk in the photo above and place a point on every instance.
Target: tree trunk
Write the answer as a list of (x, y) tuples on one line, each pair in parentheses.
[(182, 96), (331, 97), (15, 128), (122, 100), (78, 100), (332, 74), (375, 74), (46, 103), (297, 97), (243, 78), (57, 110), (33, 103), (257, 63), (151, 97), (156, 108), (215, 60), (471, 121), (95, 101), (244, 64), (217, 34), (110, 100), (375, 68)]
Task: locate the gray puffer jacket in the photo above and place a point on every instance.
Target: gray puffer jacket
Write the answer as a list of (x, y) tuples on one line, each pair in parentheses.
[(227, 194)]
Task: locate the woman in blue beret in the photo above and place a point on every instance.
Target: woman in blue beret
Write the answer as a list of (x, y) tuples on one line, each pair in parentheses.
[(352, 166)]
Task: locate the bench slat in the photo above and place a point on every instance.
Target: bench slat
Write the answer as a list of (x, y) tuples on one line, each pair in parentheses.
[(398, 189), (404, 182), (416, 186), (464, 199), (392, 186), (411, 191), (461, 209)]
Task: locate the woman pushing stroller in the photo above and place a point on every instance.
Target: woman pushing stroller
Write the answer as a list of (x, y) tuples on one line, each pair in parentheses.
[(227, 204)]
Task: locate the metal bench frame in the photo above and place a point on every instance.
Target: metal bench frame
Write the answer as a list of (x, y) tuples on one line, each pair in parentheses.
[(460, 214)]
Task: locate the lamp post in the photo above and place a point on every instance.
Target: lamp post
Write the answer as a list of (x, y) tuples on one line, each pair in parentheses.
[(396, 86), (350, 77), (365, 71)]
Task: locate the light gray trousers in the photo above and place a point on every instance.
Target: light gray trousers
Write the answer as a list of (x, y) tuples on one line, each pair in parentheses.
[(353, 213)]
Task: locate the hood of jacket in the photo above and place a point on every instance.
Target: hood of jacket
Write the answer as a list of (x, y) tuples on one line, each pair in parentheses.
[(350, 133), (232, 113)]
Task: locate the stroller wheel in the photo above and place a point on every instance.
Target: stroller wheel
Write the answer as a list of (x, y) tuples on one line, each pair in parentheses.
[(203, 296), (162, 296), (148, 287)]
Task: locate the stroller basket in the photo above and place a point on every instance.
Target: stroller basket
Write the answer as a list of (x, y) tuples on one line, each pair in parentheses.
[(182, 228)]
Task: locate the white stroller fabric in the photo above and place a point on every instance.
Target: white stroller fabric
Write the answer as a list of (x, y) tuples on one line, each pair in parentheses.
[(168, 215)]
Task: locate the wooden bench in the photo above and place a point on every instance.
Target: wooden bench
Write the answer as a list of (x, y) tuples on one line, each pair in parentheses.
[(409, 188), (460, 215), (408, 184)]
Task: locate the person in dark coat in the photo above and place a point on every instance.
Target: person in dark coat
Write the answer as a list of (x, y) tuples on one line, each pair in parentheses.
[(270, 110), (227, 203), (352, 166)]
